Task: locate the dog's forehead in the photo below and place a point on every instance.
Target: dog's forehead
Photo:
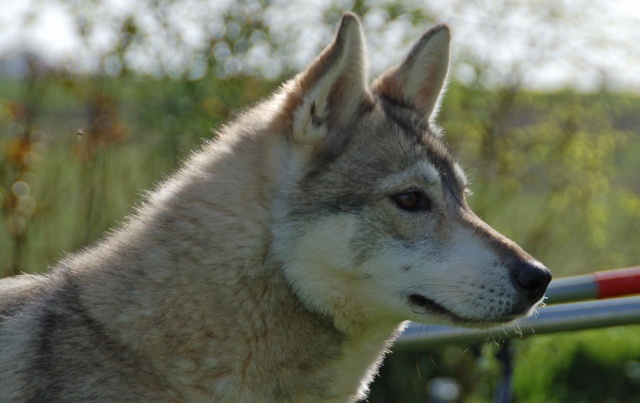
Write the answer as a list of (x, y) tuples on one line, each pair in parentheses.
[(408, 136), (442, 160)]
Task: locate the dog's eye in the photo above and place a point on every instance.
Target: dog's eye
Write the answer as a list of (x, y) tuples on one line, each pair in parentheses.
[(412, 200)]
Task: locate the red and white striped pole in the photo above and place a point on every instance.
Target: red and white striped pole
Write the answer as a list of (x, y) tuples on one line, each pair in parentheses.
[(598, 285)]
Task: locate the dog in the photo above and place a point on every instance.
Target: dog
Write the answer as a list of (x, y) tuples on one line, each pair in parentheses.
[(279, 264)]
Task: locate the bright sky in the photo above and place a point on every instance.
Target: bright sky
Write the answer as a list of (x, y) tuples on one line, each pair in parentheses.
[(592, 41)]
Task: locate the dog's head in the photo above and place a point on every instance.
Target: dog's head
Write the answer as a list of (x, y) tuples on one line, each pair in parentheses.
[(371, 222)]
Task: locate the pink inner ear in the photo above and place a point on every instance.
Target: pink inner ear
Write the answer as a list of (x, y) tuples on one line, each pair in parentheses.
[(396, 86), (429, 90), (393, 86), (418, 81)]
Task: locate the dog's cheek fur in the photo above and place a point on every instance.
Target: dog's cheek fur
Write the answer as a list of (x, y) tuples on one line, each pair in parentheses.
[(397, 255), (319, 264)]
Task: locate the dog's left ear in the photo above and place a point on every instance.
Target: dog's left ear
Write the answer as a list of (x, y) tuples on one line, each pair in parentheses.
[(331, 90), (419, 80)]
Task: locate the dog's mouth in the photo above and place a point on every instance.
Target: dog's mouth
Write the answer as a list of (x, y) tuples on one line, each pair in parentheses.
[(429, 306), (432, 307)]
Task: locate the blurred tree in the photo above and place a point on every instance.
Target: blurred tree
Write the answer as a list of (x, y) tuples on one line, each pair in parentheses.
[(22, 152)]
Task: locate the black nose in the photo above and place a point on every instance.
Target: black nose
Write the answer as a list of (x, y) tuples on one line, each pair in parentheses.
[(532, 277)]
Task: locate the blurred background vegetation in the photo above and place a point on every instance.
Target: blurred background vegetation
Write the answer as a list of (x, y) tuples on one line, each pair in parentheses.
[(125, 90)]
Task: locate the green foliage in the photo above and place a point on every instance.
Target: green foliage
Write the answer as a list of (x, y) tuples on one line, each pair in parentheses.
[(590, 366)]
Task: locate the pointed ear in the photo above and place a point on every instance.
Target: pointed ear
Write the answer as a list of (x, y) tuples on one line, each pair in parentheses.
[(332, 88), (419, 80)]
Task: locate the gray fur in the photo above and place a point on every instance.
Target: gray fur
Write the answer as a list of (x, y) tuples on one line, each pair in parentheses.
[(277, 264)]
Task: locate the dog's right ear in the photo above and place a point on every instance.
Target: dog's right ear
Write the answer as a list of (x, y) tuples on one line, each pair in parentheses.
[(331, 90)]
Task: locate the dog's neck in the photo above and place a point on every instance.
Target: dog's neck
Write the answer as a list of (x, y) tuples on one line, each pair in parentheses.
[(208, 307), (248, 339)]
